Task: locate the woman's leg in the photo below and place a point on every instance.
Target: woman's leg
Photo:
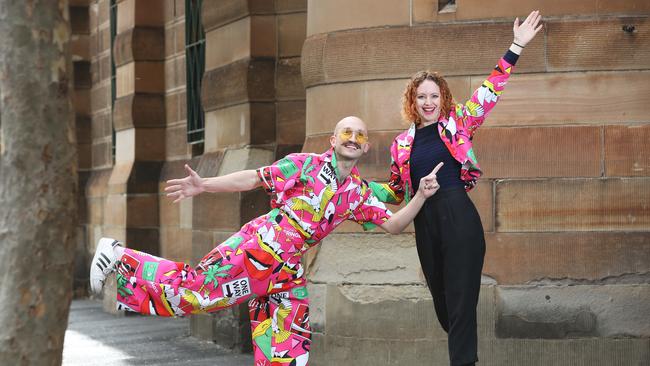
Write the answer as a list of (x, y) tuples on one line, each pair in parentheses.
[(464, 247), (428, 246)]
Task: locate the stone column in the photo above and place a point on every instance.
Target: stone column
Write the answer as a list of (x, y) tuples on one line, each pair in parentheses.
[(131, 212)]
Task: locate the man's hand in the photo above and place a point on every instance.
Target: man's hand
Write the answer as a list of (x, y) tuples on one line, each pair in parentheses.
[(429, 184), (190, 186), (527, 30)]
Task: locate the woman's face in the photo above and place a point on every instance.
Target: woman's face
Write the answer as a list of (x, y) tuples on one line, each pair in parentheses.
[(427, 99)]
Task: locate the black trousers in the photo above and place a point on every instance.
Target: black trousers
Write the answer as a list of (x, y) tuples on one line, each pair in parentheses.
[(451, 247)]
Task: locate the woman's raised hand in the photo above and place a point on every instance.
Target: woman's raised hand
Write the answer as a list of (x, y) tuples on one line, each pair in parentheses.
[(190, 186), (527, 30)]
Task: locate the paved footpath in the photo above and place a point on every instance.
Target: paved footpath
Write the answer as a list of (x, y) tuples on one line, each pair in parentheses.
[(97, 338)]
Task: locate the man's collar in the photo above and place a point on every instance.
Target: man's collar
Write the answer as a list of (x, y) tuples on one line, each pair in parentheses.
[(330, 157)]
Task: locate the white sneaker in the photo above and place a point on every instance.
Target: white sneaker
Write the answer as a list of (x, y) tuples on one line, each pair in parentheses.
[(103, 263)]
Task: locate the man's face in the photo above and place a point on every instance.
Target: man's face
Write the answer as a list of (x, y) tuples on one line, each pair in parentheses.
[(350, 139)]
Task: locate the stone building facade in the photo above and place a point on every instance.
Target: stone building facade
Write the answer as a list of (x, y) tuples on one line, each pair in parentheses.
[(564, 199)]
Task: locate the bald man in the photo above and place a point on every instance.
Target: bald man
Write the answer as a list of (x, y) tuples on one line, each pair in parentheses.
[(311, 194)]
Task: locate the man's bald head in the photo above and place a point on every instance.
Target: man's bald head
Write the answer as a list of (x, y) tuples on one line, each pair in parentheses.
[(352, 122)]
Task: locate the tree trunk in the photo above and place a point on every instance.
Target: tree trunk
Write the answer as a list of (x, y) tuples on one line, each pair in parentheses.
[(38, 178)]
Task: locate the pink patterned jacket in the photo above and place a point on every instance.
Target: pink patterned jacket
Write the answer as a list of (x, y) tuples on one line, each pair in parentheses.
[(456, 131)]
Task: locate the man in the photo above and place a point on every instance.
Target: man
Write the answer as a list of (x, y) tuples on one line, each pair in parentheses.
[(311, 195)]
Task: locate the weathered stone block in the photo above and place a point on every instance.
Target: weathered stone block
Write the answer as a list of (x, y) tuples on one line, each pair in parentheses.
[(292, 30), (381, 312), (562, 98), (140, 77), (139, 110), (139, 44), (532, 152), (368, 259), (588, 45), (239, 82), (572, 205), (626, 150), (573, 312), (290, 122), (567, 258), (288, 80), (333, 15), (379, 53)]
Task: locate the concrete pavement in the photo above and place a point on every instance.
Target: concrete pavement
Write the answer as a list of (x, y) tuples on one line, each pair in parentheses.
[(97, 338)]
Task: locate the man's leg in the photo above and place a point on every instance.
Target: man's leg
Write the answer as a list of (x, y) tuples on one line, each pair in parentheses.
[(280, 328), (157, 286)]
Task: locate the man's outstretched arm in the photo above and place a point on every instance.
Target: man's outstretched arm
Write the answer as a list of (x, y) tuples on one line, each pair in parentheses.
[(193, 184)]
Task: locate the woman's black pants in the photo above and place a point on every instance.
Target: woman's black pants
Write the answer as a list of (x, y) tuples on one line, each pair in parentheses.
[(451, 247)]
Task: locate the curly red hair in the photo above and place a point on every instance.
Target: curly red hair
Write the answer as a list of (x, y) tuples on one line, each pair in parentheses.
[(409, 107)]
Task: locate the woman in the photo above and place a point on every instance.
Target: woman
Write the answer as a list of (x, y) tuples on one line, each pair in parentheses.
[(448, 230)]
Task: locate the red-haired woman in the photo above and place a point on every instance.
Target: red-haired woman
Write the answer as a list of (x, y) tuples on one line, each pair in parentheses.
[(448, 230)]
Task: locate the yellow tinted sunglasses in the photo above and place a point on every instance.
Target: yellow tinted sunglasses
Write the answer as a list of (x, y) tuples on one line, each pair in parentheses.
[(347, 133)]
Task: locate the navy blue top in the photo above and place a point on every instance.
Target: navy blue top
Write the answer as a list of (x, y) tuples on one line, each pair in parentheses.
[(428, 150)]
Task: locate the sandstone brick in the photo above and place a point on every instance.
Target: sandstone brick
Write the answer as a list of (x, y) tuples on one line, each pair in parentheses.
[(145, 13), (566, 258), (125, 148), (142, 210), (227, 44), (104, 71), (373, 259), (290, 122), (97, 183), (81, 72), (572, 98), (84, 156), (139, 44), (100, 97), (572, 312), (144, 177), (176, 244), (79, 19), (588, 45), (150, 144), (238, 82), (217, 14), (81, 101), (218, 211), (264, 33), (629, 7), (470, 9), (531, 152), (626, 150), (83, 126), (286, 6), (176, 141), (103, 40), (376, 102), (144, 239), (102, 155), (483, 198), (292, 30), (572, 205), (354, 311), (175, 73), (333, 15), (169, 213), (80, 47), (139, 110), (101, 125), (388, 53), (115, 210), (140, 77), (288, 82)]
